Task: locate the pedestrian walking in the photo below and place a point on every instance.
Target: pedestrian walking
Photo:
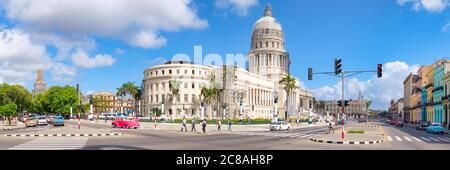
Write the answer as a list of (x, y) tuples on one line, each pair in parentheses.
[(204, 126), (229, 125), (193, 125), (184, 125), (219, 126), (330, 127)]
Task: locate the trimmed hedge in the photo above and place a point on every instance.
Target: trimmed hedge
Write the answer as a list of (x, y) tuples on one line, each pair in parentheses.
[(356, 131)]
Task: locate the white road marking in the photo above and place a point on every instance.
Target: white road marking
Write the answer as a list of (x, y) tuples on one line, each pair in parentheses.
[(424, 138), (442, 139), (389, 138), (69, 143), (408, 139), (417, 139), (434, 139), (398, 138)]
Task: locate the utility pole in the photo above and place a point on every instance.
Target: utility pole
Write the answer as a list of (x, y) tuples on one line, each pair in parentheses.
[(79, 107), (342, 74)]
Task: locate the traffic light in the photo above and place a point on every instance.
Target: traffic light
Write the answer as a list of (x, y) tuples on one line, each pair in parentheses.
[(340, 103), (380, 70), (337, 66), (310, 73), (346, 103)]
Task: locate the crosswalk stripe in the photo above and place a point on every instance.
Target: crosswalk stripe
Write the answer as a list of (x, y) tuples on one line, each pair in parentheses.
[(389, 138), (417, 139), (442, 139), (408, 139), (53, 144), (305, 136), (434, 139), (424, 138), (398, 138)]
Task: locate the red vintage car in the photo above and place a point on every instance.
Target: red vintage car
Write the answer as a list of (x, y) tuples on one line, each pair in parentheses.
[(125, 123)]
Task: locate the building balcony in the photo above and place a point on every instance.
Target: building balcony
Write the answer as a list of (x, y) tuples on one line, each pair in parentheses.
[(428, 86), (440, 88)]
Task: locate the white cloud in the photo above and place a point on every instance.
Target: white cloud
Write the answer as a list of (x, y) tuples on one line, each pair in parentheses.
[(446, 27), (379, 90), (19, 57), (429, 5), (89, 92), (137, 22), (82, 59), (156, 61), (240, 7), (62, 72), (120, 51)]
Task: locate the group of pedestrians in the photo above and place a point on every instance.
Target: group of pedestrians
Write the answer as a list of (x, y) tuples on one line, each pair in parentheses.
[(203, 123)]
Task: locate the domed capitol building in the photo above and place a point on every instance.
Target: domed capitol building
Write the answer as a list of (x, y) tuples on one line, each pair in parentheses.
[(176, 86)]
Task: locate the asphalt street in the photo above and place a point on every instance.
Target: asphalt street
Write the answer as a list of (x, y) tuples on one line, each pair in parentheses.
[(406, 138)]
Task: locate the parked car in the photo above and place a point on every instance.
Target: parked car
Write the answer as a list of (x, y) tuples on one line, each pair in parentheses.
[(422, 126), (436, 128), (126, 122), (399, 123), (58, 121), (31, 122), (278, 126), (392, 122), (41, 121)]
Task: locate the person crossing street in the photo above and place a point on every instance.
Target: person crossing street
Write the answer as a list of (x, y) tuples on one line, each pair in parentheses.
[(229, 125), (184, 125), (219, 126), (193, 125), (330, 127), (204, 126)]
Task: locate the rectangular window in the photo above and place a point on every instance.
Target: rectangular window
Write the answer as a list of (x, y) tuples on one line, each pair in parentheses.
[(156, 72), (151, 99), (193, 85), (157, 98), (185, 85), (186, 98), (178, 71), (163, 98), (193, 98), (178, 98), (185, 72), (170, 71), (163, 72), (193, 72)]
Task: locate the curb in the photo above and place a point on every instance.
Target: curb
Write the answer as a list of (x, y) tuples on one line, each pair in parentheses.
[(375, 126), (63, 135), (12, 129), (348, 142)]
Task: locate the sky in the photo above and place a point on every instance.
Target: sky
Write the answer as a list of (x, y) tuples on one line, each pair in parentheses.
[(104, 43)]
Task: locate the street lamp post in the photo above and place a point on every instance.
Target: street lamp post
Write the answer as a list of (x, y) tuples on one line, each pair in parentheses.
[(224, 109)]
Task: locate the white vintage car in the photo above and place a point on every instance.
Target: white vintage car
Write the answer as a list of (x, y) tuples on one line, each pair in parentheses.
[(279, 126)]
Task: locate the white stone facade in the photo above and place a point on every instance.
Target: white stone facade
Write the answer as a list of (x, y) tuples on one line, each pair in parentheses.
[(256, 87)]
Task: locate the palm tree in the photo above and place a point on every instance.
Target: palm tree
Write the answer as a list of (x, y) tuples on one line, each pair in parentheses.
[(132, 90), (174, 88), (289, 84), (208, 97)]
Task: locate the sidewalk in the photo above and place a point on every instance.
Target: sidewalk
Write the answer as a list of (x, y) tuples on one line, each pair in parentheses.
[(6, 127)]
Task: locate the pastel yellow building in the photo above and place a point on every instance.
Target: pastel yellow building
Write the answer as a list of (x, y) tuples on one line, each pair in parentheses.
[(429, 91)]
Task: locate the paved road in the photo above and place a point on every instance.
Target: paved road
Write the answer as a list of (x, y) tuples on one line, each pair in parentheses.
[(401, 139)]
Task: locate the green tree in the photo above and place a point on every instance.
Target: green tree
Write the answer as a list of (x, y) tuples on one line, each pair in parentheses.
[(8, 110), (16, 94), (289, 85), (55, 100)]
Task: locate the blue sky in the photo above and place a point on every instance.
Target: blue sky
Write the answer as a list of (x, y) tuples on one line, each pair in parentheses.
[(403, 33)]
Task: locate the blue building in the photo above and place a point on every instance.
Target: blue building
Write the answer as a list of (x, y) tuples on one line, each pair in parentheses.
[(438, 93), (424, 104)]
